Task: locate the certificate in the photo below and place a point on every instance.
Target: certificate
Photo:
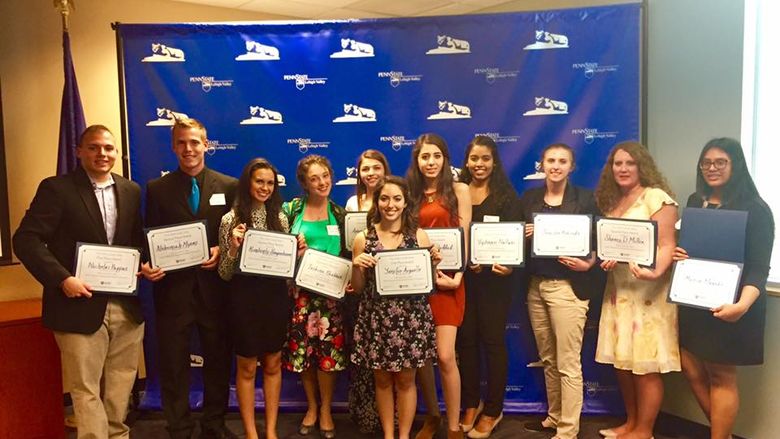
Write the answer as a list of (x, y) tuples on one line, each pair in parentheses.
[(704, 283), (451, 245), (324, 274), (354, 223), (625, 240), (268, 253), (498, 243), (108, 268), (557, 234), (178, 246), (404, 272)]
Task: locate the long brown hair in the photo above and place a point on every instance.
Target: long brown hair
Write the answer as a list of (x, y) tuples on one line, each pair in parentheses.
[(408, 219), (444, 181), (608, 192), (303, 168), (243, 202), (374, 155)]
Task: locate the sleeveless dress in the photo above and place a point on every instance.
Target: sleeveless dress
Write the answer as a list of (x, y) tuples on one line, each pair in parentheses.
[(638, 327), (448, 306), (316, 337), (392, 333)]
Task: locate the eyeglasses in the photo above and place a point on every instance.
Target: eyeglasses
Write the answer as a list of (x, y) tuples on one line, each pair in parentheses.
[(718, 163)]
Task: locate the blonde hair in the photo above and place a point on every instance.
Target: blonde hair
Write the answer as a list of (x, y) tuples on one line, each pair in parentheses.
[(187, 123)]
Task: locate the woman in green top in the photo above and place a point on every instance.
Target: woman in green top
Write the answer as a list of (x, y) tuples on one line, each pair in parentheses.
[(315, 344)]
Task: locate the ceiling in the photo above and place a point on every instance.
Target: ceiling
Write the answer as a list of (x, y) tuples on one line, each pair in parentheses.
[(343, 9)]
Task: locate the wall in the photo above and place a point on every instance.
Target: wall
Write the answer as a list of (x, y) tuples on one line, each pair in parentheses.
[(694, 93), (32, 77)]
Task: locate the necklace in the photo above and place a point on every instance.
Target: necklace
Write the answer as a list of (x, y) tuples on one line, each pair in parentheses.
[(430, 196)]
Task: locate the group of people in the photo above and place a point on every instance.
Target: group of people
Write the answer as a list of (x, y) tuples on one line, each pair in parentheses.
[(388, 343)]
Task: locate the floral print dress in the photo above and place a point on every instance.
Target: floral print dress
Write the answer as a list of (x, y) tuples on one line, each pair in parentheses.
[(392, 333), (638, 327)]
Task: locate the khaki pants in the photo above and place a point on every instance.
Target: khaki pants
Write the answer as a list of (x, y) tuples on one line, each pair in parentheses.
[(100, 369), (558, 321)]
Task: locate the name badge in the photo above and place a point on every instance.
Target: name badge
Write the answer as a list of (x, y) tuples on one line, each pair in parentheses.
[(217, 200), (491, 219), (333, 230)]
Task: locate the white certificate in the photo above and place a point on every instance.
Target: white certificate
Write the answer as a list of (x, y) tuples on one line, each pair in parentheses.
[(450, 243), (704, 283), (404, 272), (268, 253), (625, 240), (178, 246), (557, 234), (354, 223), (324, 274), (108, 268), (497, 243)]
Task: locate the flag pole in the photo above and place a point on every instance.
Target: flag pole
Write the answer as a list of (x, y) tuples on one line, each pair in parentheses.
[(64, 6)]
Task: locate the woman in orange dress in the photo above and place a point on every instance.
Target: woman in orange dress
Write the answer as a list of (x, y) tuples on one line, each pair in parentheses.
[(442, 202)]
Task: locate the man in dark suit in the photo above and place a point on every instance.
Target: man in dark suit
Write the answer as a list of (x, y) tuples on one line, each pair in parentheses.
[(193, 298), (99, 335)]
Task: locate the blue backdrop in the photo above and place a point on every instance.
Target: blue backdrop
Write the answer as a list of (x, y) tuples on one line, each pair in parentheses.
[(282, 90)]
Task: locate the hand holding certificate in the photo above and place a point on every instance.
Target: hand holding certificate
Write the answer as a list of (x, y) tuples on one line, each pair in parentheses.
[(268, 253), (178, 246), (354, 223), (404, 272), (703, 283), (625, 240), (558, 234), (498, 243), (324, 274), (107, 268), (450, 243)]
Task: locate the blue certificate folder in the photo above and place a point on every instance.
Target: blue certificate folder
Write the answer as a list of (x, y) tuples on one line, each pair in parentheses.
[(714, 233)]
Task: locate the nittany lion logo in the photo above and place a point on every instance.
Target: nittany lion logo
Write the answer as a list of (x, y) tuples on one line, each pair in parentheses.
[(259, 52), (449, 110), (351, 179), (546, 106), (166, 118), (163, 53), (354, 113), (262, 116), (446, 45), (546, 40), (538, 174), (353, 49)]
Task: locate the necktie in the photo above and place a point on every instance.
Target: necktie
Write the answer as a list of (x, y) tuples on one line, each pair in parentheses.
[(194, 198)]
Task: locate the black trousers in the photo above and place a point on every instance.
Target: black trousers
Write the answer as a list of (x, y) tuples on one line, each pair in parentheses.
[(488, 300), (174, 333)]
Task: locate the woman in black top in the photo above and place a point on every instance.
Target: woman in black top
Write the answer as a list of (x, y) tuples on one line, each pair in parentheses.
[(488, 293), (715, 341), (558, 295)]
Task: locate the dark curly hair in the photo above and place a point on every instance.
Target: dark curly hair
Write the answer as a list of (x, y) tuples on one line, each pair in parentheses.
[(408, 220)]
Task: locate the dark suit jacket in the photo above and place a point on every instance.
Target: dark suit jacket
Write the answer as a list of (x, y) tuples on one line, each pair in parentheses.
[(63, 212), (166, 204), (576, 200)]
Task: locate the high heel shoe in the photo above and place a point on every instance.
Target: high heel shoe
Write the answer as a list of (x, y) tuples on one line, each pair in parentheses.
[(608, 433), (467, 427), (475, 433)]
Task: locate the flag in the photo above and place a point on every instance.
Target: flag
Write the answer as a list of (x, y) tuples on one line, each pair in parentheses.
[(72, 122)]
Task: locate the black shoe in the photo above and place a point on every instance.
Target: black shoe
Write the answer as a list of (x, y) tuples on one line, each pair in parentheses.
[(538, 427), (218, 433), (328, 434)]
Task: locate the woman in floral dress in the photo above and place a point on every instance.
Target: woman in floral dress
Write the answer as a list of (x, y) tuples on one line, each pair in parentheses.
[(315, 344), (394, 335)]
